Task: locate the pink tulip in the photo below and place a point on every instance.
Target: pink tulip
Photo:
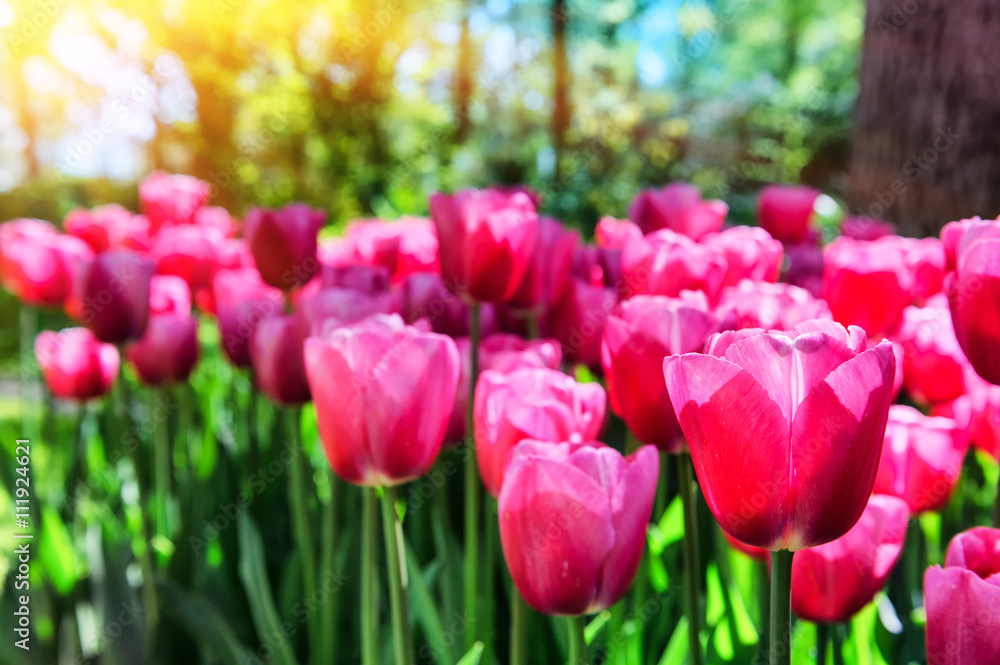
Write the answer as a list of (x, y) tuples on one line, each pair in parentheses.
[(921, 459), (169, 200), (112, 296), (169, 294), (925, 259), (866, 228), (277, 359), (637, 337), (334, 307), (37, 264), (614, 233), (109, 227), (785, 428), (168, 350), (978, 412), (370, 279), (383, 391), (750, 252), (243, 301), (486, 241), (963, 624), (933, 363), (771, 306), (786, 211), (974, 293), (573, 522), (577, 318), (666, 263), (540, 404), (284, 243), (214, 217), (402, 247), (424, 295), (548, 268), (677, 207), (189, 252), (75, 364), (957, 236), (832, 582), (232, 254)]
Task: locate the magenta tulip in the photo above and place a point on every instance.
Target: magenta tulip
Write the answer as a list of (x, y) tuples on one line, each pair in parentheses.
[(832, 582), (978, 412), (921, 459), (168, 350), (785, 429), (402, 247), (486, 241), (573, 522), (805, 266), (666, 263), (540, 404), (974, 293), (614, 233), (109, 227), (866, 228), (277, 359), (678, 207), (112, 298), (358, 277), (243, 301), (786, 211), (424, 295), (577, 318), (776, 306), (934, 365), (548, 269), (214, 217), (169, 200), (963, 622), (169, 294), (957, 236), (334, 307), (37, 264), (750, 253), (637, 337), (601, 266), (383, 392), (75, 364), (189, 252), (284, 243)]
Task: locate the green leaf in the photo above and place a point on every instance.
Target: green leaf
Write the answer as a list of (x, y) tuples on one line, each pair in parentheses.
[(424, 610), (203, 621), (57, 553), (677, 647), (473, 656), (595, 625)]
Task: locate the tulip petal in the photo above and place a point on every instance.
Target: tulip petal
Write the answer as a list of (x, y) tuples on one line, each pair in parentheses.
[(962, 620)]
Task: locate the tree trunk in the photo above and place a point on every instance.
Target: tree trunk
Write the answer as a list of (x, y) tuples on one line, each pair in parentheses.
[(561, 111), (926, 143)]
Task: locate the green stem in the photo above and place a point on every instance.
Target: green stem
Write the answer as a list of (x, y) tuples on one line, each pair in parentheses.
[(78, 464), (489, 593), (28, 324), (299, 500), (577, 643), (691, 567), (327, 616), (472, 491), (162, 466), (395, 561), (781, 608), (369, 591), (996, 509), (763, 593), (518, 628), (822, 640), (838, 644), (439, 527)]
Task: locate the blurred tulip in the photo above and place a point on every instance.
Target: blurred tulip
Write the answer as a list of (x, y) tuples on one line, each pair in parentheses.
[(109, 227), (576, 319), (963, 624), (383, 391), (232, 254), (113, 295), (614, 233), (978, 412), (402, 247), (284, 243), (189, 252), (866, 228), (678, 207), (424, 295), (548, 268), (933, 363), (637, 337), (957, 236), (832, 582), (921, 459), (335, 307), (665, 263), (169, 294), (75, 364), (168, 350), (243, 301), (531, 403), (277, 359), (785, 429), (785, 211), (804, 266), (771, 306), (486, 241), (974, 294), (169, 200), (750, 252), (598, 266), (369, 279), (573, 522), (214, 217), (925, 259), (39, 265)]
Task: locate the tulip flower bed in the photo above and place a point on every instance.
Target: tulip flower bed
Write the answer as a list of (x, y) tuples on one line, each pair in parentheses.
[(476, 438)]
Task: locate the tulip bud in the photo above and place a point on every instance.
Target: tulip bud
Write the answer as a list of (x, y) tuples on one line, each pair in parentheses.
[(785, 211), (679, 208), (37, 264), (750, 252), (277, 361), (113, 295), (167, 352), (75, 364), (776, 306), (284, 243), (109, 227)]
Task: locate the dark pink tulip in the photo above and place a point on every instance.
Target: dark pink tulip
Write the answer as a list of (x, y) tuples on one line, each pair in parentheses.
[(168, 350), (369, 279), (832, 582), (276, 357), (963, 623), (772, 306), (486, 241), (424, 295), (866, 228), (677, 207), (804, 266), (934, 366), (75, 364), (169, 294), (243, 301), (531, 403), (108, 227), (750, 253), (168, 200), (112, 295), (598, 266), (573, 522), (785, 211), (503, 353), (549, 267), (785, 428), (665, 263), (189, 252), (978, 412), (37, 264), (334, 307), (214, 217), (925, 259), (921, 459), (576, 319), (637, 337), (284, 243), (402, 247), (383, 392), (614, 233), (957, 236), (974, 294)]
